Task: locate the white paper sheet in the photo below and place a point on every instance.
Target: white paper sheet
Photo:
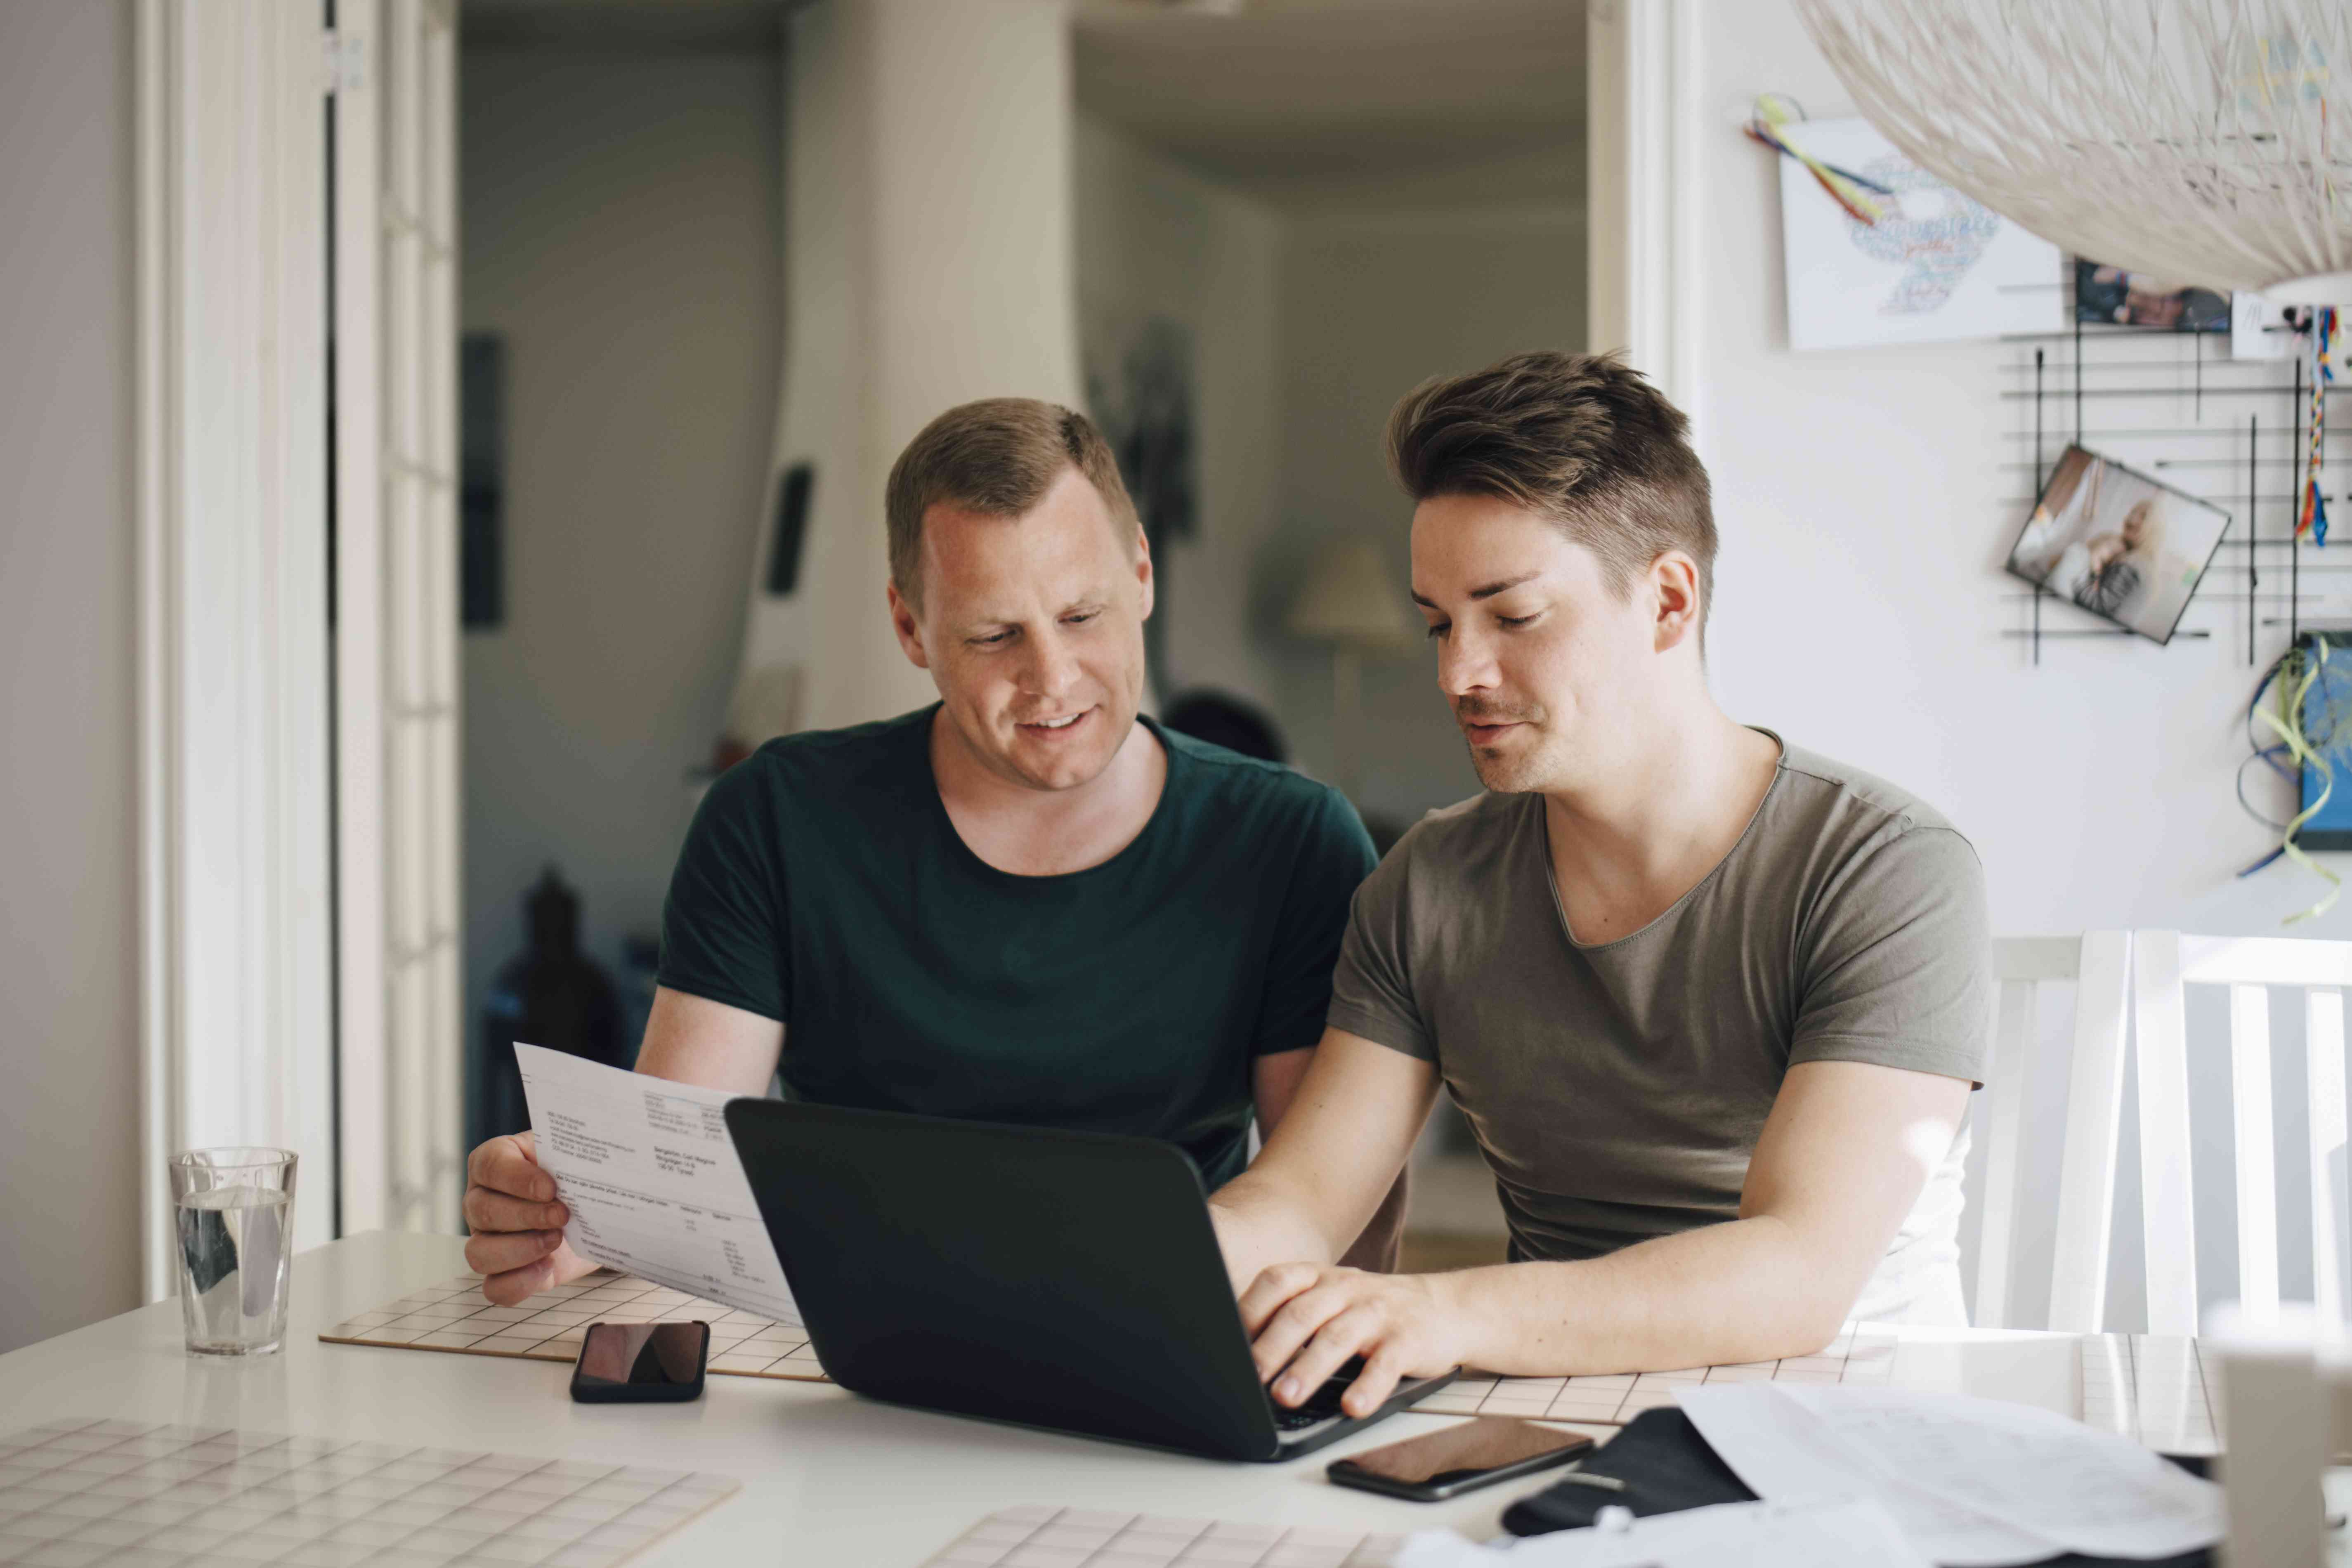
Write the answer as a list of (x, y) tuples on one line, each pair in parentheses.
[(1972, 1482), (1855, 1534), (653, 1180), (1935, 267)]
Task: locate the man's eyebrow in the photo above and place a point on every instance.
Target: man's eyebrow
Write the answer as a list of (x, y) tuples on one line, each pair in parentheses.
[(1491, 589), (1013, 619), (1488, 592)]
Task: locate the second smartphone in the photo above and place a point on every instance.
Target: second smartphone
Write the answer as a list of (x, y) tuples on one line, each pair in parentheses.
[(629, 1363), (1477, 1453)]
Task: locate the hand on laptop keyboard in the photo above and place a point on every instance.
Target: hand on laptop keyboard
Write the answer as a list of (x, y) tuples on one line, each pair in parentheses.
[(1320, 1405)]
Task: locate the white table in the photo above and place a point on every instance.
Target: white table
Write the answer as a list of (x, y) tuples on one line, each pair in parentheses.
[(828, 1477)]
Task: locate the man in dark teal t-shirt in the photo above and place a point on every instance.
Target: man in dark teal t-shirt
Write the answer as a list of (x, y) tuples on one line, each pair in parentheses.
[(1025, 903), (824, 885)]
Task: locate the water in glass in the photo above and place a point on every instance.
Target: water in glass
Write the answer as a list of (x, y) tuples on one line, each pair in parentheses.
[(234, 1224)]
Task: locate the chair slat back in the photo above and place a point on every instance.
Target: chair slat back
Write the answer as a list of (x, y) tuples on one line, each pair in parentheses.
[(2168, 1214), (2095, 1104), (2099, 963), (2164, 964), (2323, 1044), (2251, 1108)]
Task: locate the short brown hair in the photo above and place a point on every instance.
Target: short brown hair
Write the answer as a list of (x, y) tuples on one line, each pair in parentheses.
[(1582, 440), (997, 456)]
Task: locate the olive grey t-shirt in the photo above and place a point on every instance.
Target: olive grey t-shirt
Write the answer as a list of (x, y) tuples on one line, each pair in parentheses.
[(1618, 1089)]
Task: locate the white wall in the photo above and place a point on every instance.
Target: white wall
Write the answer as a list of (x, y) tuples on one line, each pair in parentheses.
[(68, 909), (1310, 320), (929, 263), (621, 230), (1153, 238), (1377, 298), (1860, 612)]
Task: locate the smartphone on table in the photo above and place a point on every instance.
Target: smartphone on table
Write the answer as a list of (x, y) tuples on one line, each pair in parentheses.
[(628, 1364), (1477, 1453)]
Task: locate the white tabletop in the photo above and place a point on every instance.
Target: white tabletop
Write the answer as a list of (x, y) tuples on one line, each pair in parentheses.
[(827, 1476)]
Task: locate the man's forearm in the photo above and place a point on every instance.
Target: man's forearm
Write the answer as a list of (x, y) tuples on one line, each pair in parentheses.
[(1261, 1221), (1382, 1240), (1339, 1141), (1746, 1291)]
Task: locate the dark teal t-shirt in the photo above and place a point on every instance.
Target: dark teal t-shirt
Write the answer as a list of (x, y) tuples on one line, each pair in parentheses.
[(823, 884)]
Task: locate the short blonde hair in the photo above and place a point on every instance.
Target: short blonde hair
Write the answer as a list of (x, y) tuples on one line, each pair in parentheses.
[(997, 456)]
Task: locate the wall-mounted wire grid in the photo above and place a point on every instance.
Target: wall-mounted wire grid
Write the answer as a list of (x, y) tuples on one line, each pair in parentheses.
[(2230, 431)]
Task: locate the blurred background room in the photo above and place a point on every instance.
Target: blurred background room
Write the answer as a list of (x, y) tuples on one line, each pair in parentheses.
[(1277, 218), (412, 506)]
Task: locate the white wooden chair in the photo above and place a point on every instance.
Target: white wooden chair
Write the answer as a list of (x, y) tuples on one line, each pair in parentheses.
[(2164, 963), (2099, 963)]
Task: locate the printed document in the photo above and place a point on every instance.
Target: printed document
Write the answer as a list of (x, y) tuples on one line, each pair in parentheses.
[(653, 1180), (1853, 1533), (1973, 1482)]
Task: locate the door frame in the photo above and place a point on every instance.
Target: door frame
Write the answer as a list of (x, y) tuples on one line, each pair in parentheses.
[(1642, 185), (285, 835), (235, 881), (398, 811)]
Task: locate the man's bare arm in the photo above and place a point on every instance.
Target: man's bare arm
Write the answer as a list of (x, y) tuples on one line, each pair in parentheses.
[(1842, 1159), (511, 1209), (692, 1039), (1276, 1080), (1326, 1170)]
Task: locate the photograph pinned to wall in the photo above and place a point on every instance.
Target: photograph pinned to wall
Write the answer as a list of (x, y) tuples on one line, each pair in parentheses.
[(1935, 266), (2122, 545), (2111, 296)]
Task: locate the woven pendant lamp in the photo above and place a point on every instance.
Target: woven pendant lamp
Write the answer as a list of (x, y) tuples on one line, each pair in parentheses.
[(2204, 142)]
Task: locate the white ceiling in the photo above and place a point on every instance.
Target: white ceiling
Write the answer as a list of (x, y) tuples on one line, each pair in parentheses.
[(1436, 99), (1299, 98), (657, 26)]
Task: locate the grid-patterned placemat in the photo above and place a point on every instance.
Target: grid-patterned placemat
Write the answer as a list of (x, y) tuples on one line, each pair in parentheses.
[(2151, 1388), (1615, 1398), (132, 1494), (452, 1316), (1080, 1537)]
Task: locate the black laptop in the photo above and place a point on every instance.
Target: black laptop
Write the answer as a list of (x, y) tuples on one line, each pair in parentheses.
[(1062, 1280)]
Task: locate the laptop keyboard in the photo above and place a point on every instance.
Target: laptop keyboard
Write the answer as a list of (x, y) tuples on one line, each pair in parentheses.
[(1321, 1405)]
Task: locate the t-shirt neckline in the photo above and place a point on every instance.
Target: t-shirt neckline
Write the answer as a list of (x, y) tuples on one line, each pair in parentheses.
[(1671, 911), (970, 858)]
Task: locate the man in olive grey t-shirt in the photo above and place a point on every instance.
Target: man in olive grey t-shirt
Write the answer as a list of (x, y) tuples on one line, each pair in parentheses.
[(1618, 1088), (1715, 1006)]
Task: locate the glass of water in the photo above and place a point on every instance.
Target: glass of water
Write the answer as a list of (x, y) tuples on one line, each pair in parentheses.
[(234, 1212)]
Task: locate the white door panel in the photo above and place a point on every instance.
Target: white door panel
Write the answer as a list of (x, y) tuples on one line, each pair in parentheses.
[(397, 555)]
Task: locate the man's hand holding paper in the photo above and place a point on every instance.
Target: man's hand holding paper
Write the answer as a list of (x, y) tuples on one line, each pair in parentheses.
[(516, 1222), (639, 1173)]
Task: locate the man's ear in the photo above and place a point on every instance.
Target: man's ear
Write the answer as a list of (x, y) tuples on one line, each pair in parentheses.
[(1674, 588), (909, 630), (1143, 571)]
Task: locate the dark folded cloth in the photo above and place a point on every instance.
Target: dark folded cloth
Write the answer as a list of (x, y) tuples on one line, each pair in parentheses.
[(1667, 1467)]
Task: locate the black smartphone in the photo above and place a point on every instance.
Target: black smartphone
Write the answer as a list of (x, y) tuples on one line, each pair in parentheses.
[(640, 1362), (1477, 1453)]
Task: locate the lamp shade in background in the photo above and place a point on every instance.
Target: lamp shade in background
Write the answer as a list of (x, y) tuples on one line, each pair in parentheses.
[(1352, 597), (1353, 602)]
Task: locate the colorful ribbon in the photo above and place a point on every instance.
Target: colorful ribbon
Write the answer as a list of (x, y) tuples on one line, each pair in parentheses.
[(2312, 517), (1773, 115), (2300, 673)]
